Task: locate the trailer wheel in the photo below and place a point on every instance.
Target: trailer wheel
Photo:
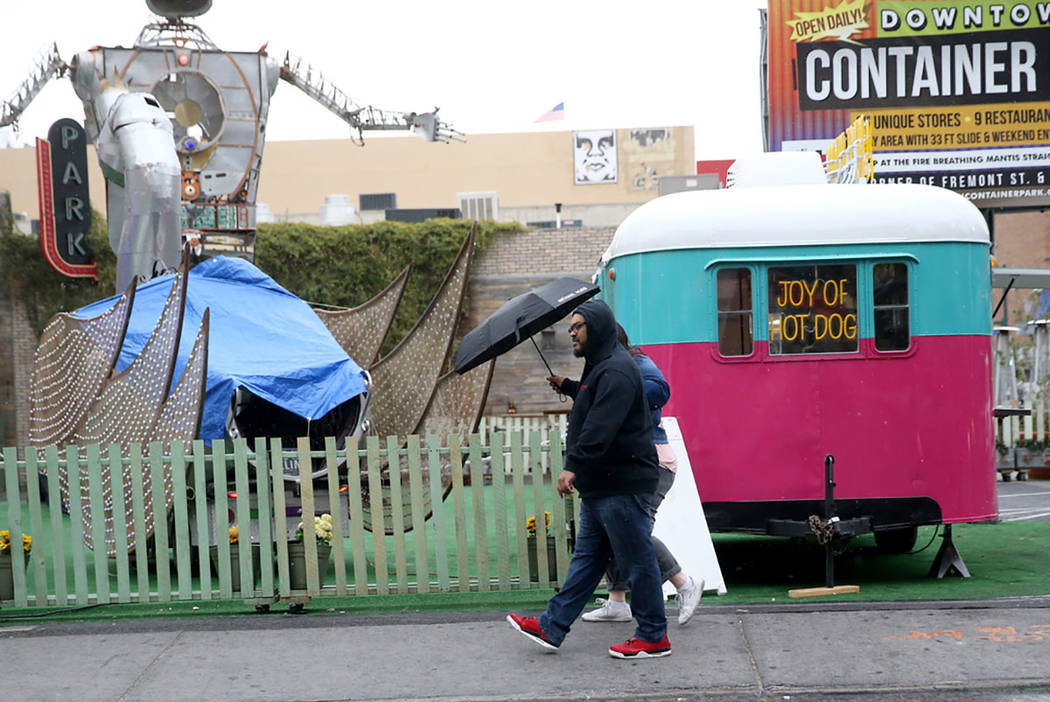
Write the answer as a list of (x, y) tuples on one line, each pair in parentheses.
[(896, 540)]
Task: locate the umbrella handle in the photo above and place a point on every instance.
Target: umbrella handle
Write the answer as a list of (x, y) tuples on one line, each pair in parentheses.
[(541, 356), (561, 397)]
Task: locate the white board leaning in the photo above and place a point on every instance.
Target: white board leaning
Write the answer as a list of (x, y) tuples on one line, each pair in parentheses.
[(681, 524)]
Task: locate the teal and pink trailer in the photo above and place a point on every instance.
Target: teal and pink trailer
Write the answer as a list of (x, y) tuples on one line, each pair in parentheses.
[(800, 321)]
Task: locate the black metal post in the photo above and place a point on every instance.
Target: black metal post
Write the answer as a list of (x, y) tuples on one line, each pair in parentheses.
[(829, 513)]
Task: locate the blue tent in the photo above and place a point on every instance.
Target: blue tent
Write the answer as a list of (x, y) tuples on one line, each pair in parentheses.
[(262, 337)]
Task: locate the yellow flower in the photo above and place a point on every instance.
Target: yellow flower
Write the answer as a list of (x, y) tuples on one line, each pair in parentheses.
[(530, 523), (235, 535), (5, 541), (322, 529)]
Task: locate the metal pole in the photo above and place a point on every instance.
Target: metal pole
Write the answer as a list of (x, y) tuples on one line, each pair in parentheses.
[(829, 513)]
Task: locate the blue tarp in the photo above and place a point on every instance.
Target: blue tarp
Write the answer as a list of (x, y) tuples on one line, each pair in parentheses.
[(262, 337)]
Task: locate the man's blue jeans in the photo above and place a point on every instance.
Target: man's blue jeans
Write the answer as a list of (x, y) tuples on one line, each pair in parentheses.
[(620, 524)]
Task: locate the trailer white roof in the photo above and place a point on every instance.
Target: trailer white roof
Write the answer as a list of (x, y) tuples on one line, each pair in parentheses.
[(799, 215)]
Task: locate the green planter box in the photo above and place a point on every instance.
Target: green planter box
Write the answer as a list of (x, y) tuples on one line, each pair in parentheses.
[(297, 563), (7, 577), (552, 560), (235, 564)]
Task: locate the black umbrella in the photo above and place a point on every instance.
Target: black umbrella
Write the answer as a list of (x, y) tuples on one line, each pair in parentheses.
[(519, 318)]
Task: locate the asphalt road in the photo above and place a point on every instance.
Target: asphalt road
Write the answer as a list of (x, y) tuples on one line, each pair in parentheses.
[(1024, 500)]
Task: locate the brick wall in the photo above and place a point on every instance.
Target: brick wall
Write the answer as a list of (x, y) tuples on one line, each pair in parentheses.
[(1022, 240), (17, 346)]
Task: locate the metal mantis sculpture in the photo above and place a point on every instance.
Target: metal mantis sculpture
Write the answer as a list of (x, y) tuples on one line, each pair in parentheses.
[(179, 124)]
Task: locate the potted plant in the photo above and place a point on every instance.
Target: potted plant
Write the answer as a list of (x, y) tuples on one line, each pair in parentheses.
[(235, 559), (297, 552), (7, 581), (530, 542)]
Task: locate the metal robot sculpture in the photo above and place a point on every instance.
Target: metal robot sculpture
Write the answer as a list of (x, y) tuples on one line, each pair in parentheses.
[(179, 124)]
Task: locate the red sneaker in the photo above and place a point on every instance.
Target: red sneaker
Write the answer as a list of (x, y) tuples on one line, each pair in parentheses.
[(530, 626), (637, 648)]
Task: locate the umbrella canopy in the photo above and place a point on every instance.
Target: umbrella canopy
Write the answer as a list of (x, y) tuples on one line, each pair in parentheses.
[(521, 317)]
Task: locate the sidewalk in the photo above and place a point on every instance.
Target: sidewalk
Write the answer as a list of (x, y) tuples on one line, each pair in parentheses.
[(925, 650)]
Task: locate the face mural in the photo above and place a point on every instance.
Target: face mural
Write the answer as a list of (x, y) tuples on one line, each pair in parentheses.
[(594, 156)]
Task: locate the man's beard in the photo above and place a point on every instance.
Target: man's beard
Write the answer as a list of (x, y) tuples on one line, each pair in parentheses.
[(579, 351)]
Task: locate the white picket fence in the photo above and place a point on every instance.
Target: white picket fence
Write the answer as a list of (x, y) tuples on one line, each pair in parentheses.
[(544, 424)]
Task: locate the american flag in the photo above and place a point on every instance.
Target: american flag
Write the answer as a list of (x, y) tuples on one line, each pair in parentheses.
[(555, 113)]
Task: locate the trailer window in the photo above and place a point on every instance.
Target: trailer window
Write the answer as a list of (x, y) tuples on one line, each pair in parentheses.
[(813, 309), (890, 286), (734, 312)]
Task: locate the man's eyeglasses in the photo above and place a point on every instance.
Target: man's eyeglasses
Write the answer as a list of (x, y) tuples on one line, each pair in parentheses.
[(573, 328)]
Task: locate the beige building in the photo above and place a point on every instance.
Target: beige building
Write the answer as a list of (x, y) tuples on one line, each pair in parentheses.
[(598, 176)]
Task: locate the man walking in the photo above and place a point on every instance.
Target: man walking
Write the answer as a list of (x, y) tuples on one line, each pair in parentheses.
[(611, 460)]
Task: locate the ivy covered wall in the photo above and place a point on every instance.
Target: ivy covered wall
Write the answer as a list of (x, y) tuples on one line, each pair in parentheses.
[(338, 266)]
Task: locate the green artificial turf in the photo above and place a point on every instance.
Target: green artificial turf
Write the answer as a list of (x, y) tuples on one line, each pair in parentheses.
[(1004, 560), (1010, 559)]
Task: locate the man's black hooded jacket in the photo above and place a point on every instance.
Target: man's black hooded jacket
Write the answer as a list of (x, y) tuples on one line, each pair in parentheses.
[(610, 438)]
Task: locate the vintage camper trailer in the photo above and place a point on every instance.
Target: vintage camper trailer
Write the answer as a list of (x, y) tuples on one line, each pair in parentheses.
[(799, 321)]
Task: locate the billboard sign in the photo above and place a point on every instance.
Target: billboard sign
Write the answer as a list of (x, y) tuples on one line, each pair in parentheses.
[(957, 92), (65, 208)]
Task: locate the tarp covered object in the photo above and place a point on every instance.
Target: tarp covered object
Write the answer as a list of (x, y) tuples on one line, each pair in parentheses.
[(262, 337)]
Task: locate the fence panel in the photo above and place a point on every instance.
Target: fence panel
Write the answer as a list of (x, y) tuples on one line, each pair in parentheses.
[(415, 485), (280, 518), (438, 522), (180, 510), (243, 506), (120, 526), (460, 516), (375, 501), (517, 460), (58, 544), (397, 512), (36, 524), (495, 488), (477, 494), (14, 520), (138, 509), (357, 517), (306, 493), (335, 508), (499, 511)]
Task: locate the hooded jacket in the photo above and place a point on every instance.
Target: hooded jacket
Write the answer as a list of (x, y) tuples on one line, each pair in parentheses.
[(609, 445)]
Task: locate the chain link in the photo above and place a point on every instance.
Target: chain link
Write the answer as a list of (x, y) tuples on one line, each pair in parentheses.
[(824, 531)]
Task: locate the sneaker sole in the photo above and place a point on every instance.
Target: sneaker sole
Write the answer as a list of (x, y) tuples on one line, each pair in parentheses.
[(607, 619), (532, 637), (683, 620), (640, 654)]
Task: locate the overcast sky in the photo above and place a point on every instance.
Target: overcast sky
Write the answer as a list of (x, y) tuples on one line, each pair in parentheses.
[(490, 66)]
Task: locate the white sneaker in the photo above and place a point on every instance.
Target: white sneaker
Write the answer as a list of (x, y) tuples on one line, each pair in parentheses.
[(609, 612), (688, 598)]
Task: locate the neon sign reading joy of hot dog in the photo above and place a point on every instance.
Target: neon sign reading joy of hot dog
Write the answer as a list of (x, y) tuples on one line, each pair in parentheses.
[(812, 309)]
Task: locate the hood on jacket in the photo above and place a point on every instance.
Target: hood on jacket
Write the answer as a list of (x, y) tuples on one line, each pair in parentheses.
[(601, 332)]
